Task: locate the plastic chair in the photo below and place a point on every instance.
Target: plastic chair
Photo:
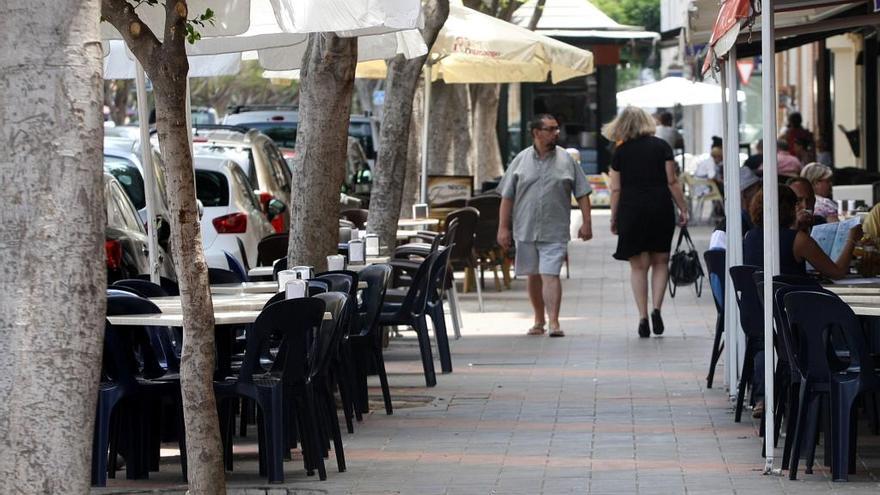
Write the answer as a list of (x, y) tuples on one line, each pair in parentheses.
[(324, 370), (272, 247), (367, 341), (220, 276), (144, 288), (751, 317), (816, 316), (345, 281), (489, 253), (296, 321), (170, 286), (412, 311), (357, 216), (715, 259), (236, 267), (277, 266), (131, 372), (694, 184)]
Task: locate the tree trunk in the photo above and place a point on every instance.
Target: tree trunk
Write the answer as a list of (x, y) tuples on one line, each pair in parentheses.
[(52, 268), (449, 131), (166, 65), (485, 153), (327, 80), (411, 183), (390, 170)]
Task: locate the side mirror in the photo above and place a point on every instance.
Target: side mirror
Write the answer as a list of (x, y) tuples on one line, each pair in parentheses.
[(274, 208), (201, 208)]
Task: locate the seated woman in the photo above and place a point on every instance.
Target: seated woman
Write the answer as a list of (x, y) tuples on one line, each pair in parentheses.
[(796, 248), (820, 177)]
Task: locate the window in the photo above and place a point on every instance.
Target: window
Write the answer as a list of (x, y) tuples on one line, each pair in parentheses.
[(247, 190), (212, 188), (277, 166), (128, 214), (129, 177), (284, 135)]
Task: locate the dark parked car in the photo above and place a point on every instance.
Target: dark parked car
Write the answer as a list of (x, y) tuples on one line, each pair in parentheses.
[(125, 239)]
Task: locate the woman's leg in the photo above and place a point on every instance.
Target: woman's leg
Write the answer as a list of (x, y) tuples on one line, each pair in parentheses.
[(659, 277), (638, 279)]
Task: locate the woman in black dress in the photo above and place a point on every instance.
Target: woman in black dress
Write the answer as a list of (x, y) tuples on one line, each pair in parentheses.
[(643, 188)]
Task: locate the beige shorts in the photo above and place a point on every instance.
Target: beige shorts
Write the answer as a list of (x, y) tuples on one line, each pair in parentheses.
[(543, 258)]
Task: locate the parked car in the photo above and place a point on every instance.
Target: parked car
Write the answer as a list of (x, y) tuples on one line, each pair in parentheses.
[(260, 160), (280, 123), (232, 218), (203, 115), (125, 239), (122, 159)]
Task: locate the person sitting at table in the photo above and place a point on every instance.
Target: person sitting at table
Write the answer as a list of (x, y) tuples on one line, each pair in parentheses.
[(796, 248), (820, 178), (806, 204)]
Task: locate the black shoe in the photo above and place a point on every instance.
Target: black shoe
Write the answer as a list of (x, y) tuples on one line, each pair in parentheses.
[(657, 322), (644, 331)]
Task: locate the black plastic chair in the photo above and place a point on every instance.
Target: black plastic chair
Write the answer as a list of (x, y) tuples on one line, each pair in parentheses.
[(751, 315), (277, 266), (817, 318), (143, 287), (412, 311), (357, 216), (236, 267), (132, 376), (296, 321), (790, 398), (324, 371), (170, 286), (489, 253), (345, 281), (220, 276), (715, 259), (367, 341), (271, 248)]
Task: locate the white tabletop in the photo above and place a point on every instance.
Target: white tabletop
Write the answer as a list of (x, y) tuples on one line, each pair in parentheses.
[(176, 319), (418, 222), (260, 271), (269, 287)]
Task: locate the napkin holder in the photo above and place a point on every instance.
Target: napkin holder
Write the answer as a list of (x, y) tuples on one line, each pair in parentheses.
[(356, 253), (371, 245), (335, 262)]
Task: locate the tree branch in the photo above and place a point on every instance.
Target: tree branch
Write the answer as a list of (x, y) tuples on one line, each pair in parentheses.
[(139, 38), (176, 12), (536, 14)]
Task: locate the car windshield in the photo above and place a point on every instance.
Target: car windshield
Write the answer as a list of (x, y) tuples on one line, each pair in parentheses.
[(364, 134), (212, 188), (129, 176), (283, 134)]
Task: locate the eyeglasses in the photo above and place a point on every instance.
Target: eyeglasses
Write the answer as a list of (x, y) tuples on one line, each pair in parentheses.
[(550, 129)]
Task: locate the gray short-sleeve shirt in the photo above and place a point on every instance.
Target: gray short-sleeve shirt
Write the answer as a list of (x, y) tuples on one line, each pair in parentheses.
[(541, 191)]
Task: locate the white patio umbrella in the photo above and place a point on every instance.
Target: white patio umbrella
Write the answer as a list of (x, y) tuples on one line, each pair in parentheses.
[(245, 25), (671, 91)]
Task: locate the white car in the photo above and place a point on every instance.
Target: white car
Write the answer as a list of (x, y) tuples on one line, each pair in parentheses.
[(232, 221)]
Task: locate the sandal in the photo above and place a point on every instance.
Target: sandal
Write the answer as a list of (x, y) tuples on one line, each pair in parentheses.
[(557, 332), (536, 330)]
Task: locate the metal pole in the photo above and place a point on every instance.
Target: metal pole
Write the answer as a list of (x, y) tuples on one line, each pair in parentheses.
[(149, 178), (771, 216), (731, 316), (734, 224), (427, 104)]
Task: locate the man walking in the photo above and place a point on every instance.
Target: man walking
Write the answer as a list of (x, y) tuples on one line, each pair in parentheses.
[(536, 198)]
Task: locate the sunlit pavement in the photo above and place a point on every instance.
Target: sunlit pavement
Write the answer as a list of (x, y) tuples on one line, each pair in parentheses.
[(599, 411)]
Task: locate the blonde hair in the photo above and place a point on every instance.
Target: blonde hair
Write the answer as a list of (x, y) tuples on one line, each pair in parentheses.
[(815, 172), (632, 122)]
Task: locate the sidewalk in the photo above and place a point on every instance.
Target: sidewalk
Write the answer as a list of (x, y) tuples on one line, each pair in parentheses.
[(599, 411)]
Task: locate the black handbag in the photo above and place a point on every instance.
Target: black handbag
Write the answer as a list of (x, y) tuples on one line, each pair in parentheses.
[(684, 265)]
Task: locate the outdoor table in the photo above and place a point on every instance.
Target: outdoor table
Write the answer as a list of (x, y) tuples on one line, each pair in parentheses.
[(260, 271), (418, 222), (269, 287), (225, 320), (371, 260)]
